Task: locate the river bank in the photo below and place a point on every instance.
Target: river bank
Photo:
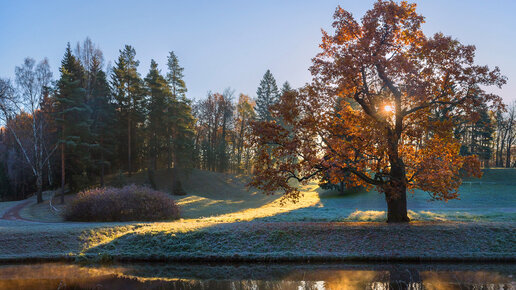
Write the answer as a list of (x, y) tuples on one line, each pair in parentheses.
[(259, 241)]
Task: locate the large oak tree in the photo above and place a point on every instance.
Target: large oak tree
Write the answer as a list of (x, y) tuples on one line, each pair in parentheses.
[(379, 112)]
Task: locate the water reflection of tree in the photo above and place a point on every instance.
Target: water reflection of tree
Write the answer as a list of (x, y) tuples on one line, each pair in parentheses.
[(404, 278), (257, 276)]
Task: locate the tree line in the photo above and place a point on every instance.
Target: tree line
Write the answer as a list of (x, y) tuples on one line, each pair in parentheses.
[(491, 135), (97, 120)]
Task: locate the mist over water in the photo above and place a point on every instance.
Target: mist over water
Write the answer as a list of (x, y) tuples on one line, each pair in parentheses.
[(257, 276)]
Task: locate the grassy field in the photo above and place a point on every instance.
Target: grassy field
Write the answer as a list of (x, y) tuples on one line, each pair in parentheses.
[(224, 197), (222, 220)]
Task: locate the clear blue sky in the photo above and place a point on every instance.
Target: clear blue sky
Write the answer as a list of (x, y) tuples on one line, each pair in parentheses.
[(232, 43)]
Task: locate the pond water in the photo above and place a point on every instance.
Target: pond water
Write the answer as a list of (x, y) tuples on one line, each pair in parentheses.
[(257, 276)]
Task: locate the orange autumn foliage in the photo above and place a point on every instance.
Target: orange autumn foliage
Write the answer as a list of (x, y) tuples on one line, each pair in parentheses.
[(380, 110)]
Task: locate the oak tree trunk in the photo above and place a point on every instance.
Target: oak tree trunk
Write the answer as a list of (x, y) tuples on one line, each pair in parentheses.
[(397, 205), (396, 192)]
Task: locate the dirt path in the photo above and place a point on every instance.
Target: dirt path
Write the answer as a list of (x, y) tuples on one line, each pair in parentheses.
[(13, 214)]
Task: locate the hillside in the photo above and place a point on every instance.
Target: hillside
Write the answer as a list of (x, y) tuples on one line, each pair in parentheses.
[(217, 195)]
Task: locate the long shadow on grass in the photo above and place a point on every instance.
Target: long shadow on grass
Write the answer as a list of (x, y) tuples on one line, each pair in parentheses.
[(208, 193), (262, 240), (227, 239), (286, 241)]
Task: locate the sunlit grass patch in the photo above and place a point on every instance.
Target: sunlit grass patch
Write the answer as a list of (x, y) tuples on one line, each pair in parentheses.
[(367, 215), (182, 226), (380, 216)]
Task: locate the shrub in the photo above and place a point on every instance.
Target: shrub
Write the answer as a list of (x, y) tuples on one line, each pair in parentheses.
[(128, 203)]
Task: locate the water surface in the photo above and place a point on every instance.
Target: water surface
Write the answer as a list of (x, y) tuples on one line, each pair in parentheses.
[(257, 276)]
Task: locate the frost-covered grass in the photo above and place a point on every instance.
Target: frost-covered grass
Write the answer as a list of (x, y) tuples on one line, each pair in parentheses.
[(260, 241), (491, 199), (221, 219), (271, 241), (43, 212), (478, 202), (6, 205), (225, 198)]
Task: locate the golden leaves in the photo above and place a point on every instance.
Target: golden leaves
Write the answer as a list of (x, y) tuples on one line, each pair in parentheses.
[(338, 127)]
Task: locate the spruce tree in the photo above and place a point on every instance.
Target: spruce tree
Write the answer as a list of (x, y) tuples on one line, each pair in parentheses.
[(179, 118), (180, 122), (266, 96), (103, 120), (175, 77), (73, 117), (158, 92), (286, 87), (129, 96)]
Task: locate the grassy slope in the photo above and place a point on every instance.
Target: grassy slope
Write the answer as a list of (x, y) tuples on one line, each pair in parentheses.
[(257, 241), (6, 205), (491, 198), (221, 219), (210, 194), (321, 241)]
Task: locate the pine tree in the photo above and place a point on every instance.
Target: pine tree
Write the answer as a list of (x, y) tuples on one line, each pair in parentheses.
[(73, 117), (183, 129), (175, 77), (158, 93), (180, 122), (129, 95), (103, 119), (267, 95), (178, 89)]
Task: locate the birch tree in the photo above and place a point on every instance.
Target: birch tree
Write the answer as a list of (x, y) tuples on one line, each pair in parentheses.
[(32, 85)]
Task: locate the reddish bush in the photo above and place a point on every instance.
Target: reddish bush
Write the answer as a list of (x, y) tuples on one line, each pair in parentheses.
[(129, 203)]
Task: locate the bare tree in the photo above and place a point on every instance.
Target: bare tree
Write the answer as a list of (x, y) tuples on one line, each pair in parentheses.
[(499, 138), (92, 59), (214, 125), (244, 114), (510, 134), (505, 135), (32, 84)]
